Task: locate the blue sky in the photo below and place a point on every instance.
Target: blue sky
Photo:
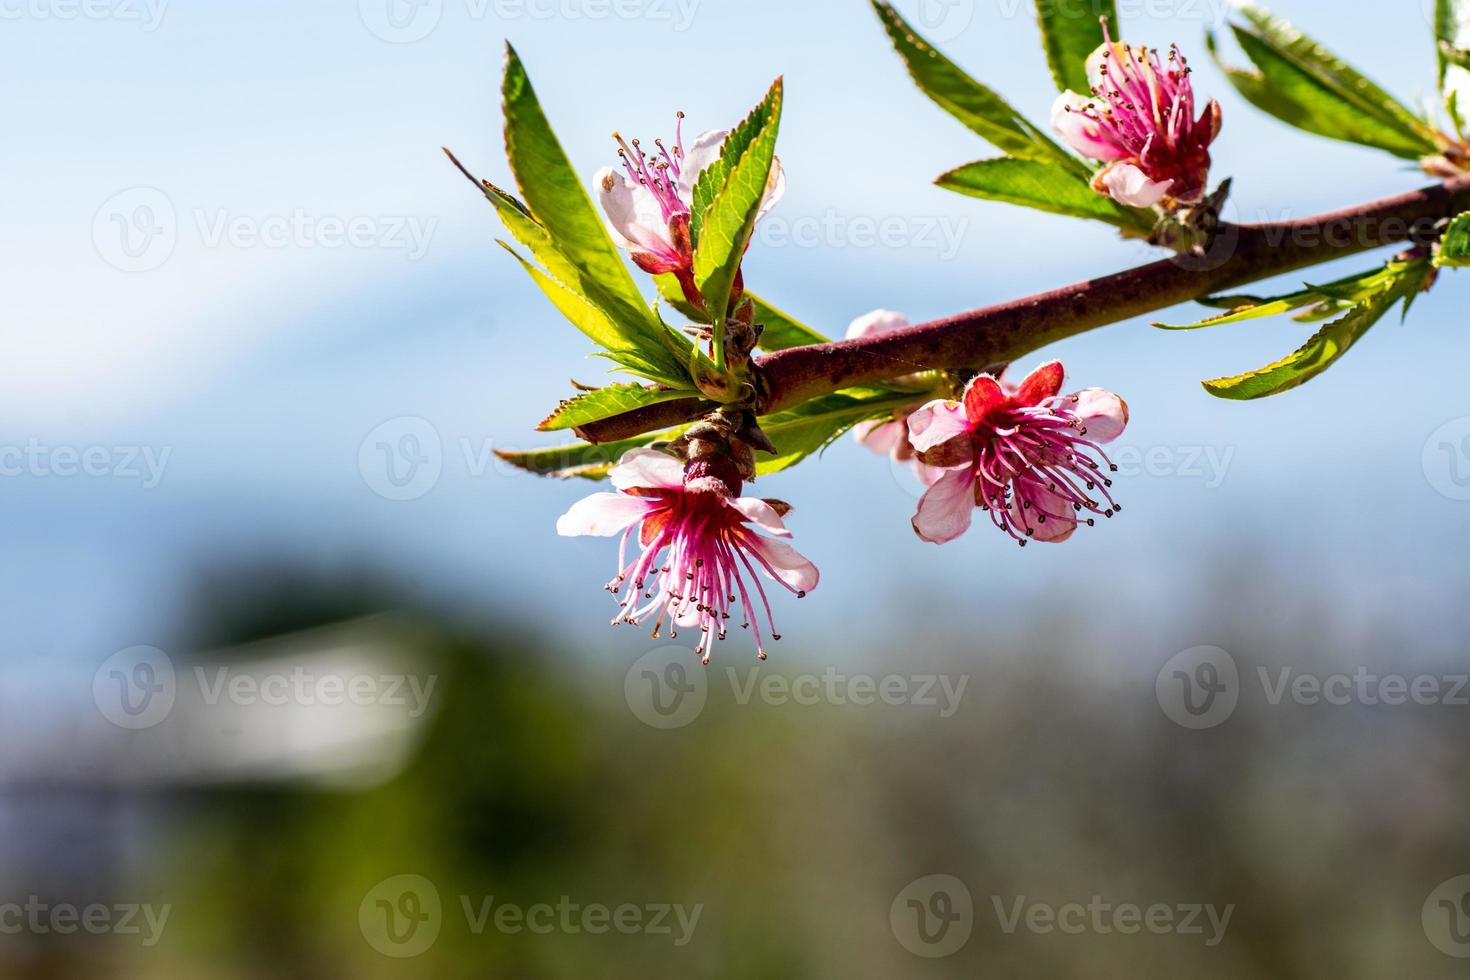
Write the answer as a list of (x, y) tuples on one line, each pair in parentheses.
[(319, 270)]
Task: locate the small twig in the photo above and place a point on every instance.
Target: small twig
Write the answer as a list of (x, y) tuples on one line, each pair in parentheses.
[(1240, 254)]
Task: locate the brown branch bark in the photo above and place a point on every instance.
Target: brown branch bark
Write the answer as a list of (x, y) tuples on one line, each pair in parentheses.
[(1240, 254)]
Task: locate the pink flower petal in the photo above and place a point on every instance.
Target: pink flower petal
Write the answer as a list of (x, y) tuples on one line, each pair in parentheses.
[(603, 515), (872, 324), (1080, 132), (790, 565), (947, 507), (1127, 184), (1043, 383), (928, 475), (1061, 519), (1103, 413), (759, 512), (698, 155), (647, 469), (881, 437), (982, 397), (937, 422), (634, 214)]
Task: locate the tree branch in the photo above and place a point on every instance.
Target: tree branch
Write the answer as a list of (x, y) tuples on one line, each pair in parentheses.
[(1240, 254)]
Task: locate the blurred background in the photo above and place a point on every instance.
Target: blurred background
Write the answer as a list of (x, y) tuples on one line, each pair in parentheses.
[(298, 680)]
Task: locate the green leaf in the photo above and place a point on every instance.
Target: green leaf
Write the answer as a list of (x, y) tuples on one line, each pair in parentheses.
[(812, 426), (1329, 344), (585, 460), (982, 110), (575, 307), (713, 177), (1352, 84), (1044, 187), (730, 216), (1451, 55), (1450, 16), (1349, 289), (1454, 247), (552, 190), (1305, 85), (631, 320), (1070, 32), (603, 403), (655, 363), (780, 330)]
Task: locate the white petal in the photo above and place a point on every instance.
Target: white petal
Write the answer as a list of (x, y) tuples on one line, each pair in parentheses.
[(1096, 60), (790, 565), (633, 212), (1126, 184), (1080, 132), (879, 321), (602, 515), (698, 155), (759, 512), (649, 469), (1103, 413), (947, 507), (775, 188), (937, 423)]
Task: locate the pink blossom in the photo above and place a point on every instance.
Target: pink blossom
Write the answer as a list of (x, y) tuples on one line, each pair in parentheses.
[(711, 554), (1028, 456), (1140, 120), (648, 207), (888, 437)]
